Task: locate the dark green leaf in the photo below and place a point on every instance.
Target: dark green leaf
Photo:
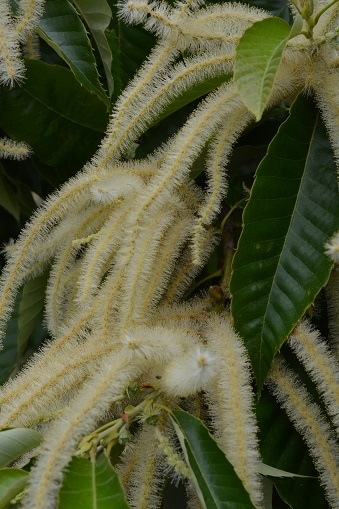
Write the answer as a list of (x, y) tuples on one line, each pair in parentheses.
[(97, 15), (31, 309), (9, 351), (258, 57), (280, 265), (214, 477), (59, 119), (16, 442), (91, 486), (62, 29), (8, 198), (282, 447), (12, 482)]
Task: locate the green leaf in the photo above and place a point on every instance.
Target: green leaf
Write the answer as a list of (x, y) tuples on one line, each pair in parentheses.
[(283, 447), (91, 486), (215, 480), (62, 29), (9, 351), (277, 472), (31, 309), (280, 265), (12, 482), (258, 57), (16, 442), (59, 119), (8, 198), (97, 15)]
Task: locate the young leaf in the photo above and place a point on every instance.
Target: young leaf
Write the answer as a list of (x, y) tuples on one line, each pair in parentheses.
[(258, 57), (12, 482), (215, 480), (62, 29), (91, 486), (15, 442), (280, 265), (97, 16), (30, 310)]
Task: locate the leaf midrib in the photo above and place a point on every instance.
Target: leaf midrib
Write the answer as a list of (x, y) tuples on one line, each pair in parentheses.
[(311, 140)]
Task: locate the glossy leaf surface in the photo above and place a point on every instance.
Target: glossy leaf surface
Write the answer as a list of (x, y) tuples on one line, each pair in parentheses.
[(60, 120), (16, 442), (258, 56), (91, 486), (280, 265), (62, 29), (216, 482), (12, 482)]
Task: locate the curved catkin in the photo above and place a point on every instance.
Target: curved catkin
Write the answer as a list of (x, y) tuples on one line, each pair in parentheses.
[(68, 368), (65, 262), (29, 376), (217, 158), (150, 92), (85, 410), (144, 481), (164, 261), (11, 65), (231, 401), (29, 13), (321, 365), (313, 427), (33, 237)]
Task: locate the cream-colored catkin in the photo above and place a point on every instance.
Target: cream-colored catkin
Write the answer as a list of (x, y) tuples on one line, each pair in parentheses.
[(29, 14), (141, 471), (231, 402), (31, 48), (320, 364), (217, 158), (134, 112), (11, 65), (31, 374), (68, 369), (164, 262), (89, 221), (307, 418), (22, 256), (14, 149), (82, 415)]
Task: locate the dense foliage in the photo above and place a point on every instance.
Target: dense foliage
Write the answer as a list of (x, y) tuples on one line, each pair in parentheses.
[(169, 313)]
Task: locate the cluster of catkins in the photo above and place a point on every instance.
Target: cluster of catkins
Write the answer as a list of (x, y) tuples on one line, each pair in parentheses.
[(124, 239)]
